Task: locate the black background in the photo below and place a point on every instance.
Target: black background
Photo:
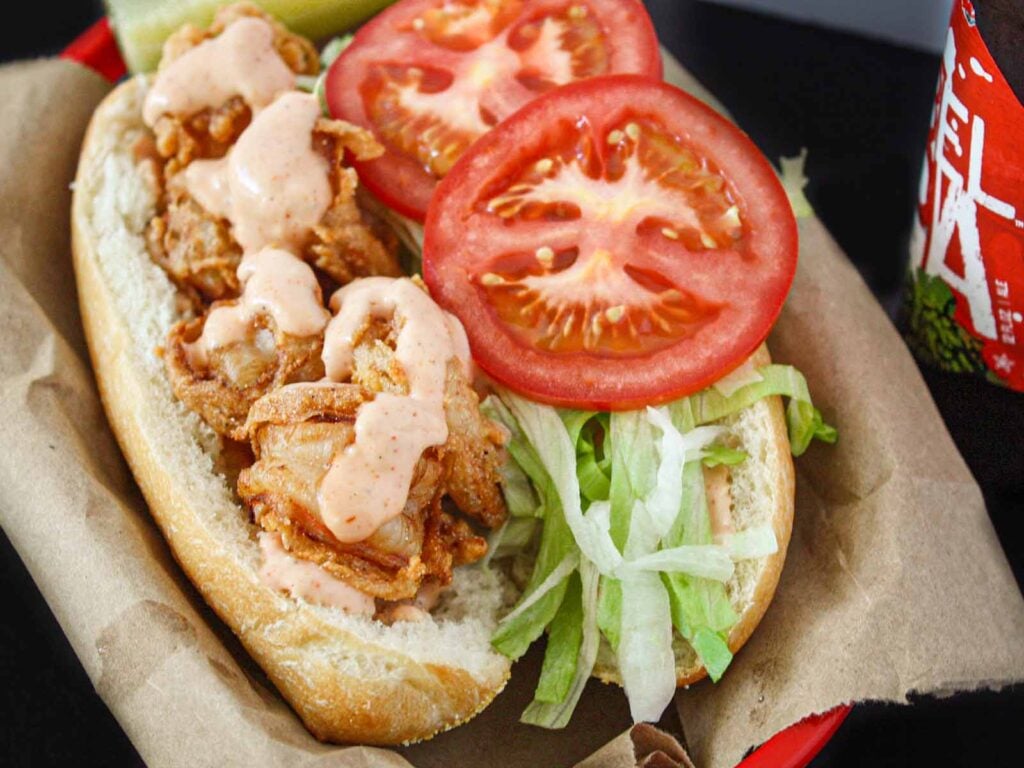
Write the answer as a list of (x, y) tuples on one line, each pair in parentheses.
[(862, 109)]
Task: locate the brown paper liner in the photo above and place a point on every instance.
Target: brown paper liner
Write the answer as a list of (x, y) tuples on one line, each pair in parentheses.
[(895, 581)]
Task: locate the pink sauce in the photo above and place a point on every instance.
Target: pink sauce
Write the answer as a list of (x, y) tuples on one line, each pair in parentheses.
[(301, 578), (274, 282), (273, 186), (716, 484), (241, 61), (417, 609), (368, 483)]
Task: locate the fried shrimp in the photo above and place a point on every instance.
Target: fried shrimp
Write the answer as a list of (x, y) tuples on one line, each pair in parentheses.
[(473, 451), (197, 246), (198, 250), (350, 241), (210, 132), (370, 457), (223, 387), (223, 362), (194, 247), (298, 431)]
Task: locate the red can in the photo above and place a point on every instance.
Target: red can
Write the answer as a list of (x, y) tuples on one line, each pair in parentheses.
[(966, 300)]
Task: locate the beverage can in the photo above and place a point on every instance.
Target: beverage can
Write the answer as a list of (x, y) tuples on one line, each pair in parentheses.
[(965, 301)]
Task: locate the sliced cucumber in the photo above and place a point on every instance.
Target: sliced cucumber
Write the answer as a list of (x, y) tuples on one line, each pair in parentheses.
[(142, 26)]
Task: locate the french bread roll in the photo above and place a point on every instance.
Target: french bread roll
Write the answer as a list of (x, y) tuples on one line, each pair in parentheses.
[(349, 678)]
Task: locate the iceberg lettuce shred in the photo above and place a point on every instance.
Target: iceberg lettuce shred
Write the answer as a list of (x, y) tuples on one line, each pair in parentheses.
[(626, 553)]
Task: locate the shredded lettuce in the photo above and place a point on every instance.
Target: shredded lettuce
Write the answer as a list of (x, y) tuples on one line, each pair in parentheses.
[(595, 484), (519, 447), (550, 439), (758, 541), (662, 503), (555, 578), (674, 450), (333, 49), (646, 661), (712, 648), (556, 715), (514, 635), (722, 455), (316, 84), (704, 561), (634, 458), (515, 534), (626, 548), (701, 610), (644, 652), (743, 375), (574, 422), (609, 611), (803, 419), (806, 423), (564, 639), (593, 464), (518, 492)]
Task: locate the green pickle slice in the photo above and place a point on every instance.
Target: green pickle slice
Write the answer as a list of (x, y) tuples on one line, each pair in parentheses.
[(142, 26)]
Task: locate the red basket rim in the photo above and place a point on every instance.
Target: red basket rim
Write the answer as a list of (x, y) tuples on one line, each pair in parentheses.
[(794, 747), (97, 49)]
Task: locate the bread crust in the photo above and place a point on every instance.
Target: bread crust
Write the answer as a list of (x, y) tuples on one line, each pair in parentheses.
[(401, 700)]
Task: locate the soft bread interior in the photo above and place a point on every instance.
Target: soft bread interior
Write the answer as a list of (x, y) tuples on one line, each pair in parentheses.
[(349, 678), (762, 492)]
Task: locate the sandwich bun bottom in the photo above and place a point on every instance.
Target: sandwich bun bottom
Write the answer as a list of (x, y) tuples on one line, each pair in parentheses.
[(350, 679)]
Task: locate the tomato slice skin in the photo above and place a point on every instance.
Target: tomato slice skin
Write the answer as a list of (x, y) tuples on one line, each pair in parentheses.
[(730, 292), (364, 86)]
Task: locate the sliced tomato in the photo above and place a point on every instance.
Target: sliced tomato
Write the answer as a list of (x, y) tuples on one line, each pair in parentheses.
[(429, 77), (615, 243)]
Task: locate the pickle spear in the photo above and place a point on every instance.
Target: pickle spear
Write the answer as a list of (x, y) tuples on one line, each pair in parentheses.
[(142, 26)]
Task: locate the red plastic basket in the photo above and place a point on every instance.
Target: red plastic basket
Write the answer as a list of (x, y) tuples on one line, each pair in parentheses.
[(794, 747), (97, 49)]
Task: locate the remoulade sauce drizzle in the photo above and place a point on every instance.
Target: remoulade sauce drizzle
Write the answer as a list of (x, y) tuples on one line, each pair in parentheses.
[(302, 578), (273, 186), (719, 499), (368, 482), (240, 61), (274, 281)]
